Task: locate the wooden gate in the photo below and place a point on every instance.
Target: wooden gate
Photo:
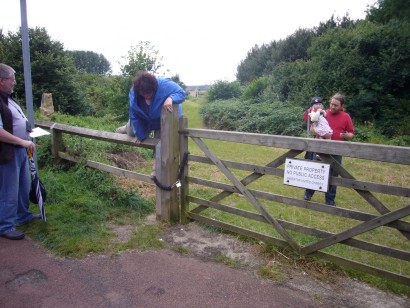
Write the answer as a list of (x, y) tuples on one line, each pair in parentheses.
[(387, 217)]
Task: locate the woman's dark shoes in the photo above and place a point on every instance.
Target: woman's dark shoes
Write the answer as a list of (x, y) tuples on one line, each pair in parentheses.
[(13, 235)]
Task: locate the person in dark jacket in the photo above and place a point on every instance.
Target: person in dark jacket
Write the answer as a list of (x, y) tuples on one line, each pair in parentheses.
[(14, 169)]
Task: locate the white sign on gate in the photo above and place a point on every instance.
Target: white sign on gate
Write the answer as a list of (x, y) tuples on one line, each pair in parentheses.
[(307, 174)]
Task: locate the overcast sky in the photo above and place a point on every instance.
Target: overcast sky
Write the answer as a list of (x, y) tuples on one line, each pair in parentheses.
[(202, 41)]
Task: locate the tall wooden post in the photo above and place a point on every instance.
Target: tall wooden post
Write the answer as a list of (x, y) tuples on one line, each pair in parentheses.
[(56, 142), (167, 168), (184, 191)]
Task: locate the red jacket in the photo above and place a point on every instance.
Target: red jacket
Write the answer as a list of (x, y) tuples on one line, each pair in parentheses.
[(339, 122)]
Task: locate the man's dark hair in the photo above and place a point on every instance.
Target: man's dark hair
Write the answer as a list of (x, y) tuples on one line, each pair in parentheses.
[(144, 82)]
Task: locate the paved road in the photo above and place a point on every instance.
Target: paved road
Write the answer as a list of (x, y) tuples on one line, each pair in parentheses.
[(31, 277)]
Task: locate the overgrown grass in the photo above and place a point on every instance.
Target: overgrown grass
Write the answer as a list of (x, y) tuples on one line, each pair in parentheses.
[(145, 237), (181, 249), (81, 203), (227, 261)]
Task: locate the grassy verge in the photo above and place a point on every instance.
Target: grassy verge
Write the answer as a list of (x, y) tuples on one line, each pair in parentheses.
[(83, 207)]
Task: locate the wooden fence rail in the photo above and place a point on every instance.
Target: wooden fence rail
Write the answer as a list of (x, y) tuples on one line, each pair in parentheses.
[(167, 205)]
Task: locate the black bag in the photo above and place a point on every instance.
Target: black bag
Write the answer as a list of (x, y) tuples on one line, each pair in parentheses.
[(33, 195)]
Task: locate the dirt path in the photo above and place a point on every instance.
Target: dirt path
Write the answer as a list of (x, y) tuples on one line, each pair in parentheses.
[(327, 289), (32, 277)]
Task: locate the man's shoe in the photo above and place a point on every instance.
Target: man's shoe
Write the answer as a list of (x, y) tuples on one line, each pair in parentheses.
[(13, 235), (331, 203), (306, 197)]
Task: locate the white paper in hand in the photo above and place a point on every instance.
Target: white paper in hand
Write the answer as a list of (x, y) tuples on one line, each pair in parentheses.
[(38, 132)]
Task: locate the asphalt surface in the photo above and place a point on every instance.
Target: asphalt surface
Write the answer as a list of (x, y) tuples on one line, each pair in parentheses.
[(32, 277)]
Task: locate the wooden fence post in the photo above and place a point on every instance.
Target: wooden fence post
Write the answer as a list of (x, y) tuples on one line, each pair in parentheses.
[(184, 192), (167, 168), (56, 142)]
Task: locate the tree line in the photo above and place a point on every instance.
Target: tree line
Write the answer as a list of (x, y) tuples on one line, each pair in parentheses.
[(367, 60), (80, 81)]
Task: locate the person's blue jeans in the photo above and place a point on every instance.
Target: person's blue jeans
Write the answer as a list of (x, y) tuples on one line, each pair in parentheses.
[(14, 191), (331, 193)]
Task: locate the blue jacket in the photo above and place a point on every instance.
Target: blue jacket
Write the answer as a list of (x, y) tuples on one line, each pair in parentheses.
[(144, 120)]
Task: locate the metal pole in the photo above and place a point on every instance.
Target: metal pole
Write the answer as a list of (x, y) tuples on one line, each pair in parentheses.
[(26, 62), (27, 68)]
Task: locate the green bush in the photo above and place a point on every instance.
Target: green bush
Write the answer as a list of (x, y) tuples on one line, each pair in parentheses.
[(223, 114), (275, 118), (268, 117), (255, 88), (223, 90)]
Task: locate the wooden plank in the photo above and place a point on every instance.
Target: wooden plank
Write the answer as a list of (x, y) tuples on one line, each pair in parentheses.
[(382, 250), (169, 158), (103, 135), (257, 174), (356, 215), (374, 187), (258, 171), (368, 196), (248, 195), (184, 191), (393, 154), (107, 168), (359, 229), (403, 279), (344, 182), (44, 124), (56, 143), (239, 230), (379, 206), (158, 194)]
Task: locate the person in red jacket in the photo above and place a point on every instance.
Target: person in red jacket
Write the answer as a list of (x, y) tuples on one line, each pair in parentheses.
[(343, 129)]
